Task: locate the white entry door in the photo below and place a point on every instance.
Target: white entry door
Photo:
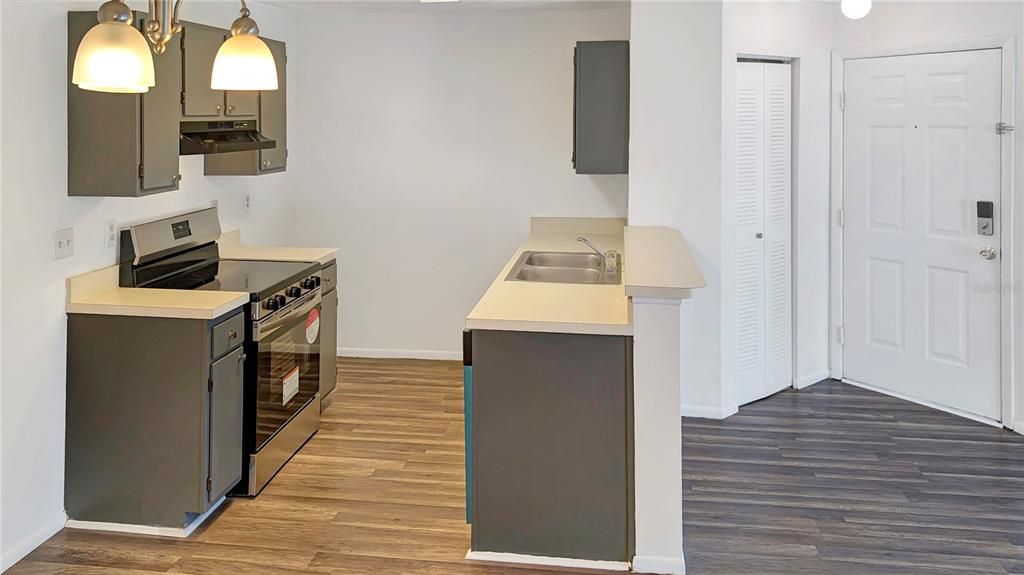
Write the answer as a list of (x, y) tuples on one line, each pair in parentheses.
[(921, 300), (763, 290)]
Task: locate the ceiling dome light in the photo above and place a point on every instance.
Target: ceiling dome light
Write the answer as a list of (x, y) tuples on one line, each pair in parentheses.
[(244, 61), (113, 56), (855, 9)]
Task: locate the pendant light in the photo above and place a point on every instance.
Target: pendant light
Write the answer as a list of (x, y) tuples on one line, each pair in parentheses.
[(855, 9), (113, 55), (244, 61)]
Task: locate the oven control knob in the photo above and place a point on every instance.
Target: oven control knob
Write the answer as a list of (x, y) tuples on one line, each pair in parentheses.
[(309, 283), (294, 291), (271, 303), (280, 300), (316, 279)]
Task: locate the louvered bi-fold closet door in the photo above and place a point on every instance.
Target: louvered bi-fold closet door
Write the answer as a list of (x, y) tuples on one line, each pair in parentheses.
[(764, 349)]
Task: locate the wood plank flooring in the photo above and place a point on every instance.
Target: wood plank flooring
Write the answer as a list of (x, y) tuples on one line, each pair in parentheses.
[(832, 479), (838, 479)]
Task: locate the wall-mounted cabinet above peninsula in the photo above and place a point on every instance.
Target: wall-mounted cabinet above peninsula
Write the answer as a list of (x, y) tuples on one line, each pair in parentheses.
[(127, 145)]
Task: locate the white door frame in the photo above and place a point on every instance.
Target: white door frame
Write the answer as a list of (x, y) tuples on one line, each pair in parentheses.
[(1006, 43)]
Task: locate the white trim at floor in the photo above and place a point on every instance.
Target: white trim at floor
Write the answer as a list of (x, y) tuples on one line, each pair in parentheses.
[(179, 532), (660, 565), (381, 353), (707, 412), (925, 402), (535, 560), (809, 380), (19, 550)]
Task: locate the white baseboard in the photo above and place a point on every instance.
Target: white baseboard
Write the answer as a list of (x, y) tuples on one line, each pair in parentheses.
[(538, 560), (380, 353), (707, 411), (659, 565), (926, 403), (19, 550), (1018, 427), (178, 532), (809, 380)]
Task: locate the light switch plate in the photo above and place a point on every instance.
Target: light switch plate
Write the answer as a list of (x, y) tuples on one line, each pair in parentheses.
[(110, 234), (63, 243)]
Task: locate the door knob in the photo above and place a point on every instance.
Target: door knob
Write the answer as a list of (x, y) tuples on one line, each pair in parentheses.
[(758, 235), (988, 253)]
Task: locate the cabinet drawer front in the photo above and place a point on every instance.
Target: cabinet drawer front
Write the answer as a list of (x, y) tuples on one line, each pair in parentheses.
[(227, 335), (329, 277), (226, 377)]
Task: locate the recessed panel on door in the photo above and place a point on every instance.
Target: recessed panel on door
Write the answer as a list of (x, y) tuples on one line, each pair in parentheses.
[(921, 299)]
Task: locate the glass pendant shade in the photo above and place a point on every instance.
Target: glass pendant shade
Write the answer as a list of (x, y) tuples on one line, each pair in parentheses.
[(113, 57), (855, 9), (244, 62)]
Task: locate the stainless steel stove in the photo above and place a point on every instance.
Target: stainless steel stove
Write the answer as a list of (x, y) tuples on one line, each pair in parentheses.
[(282, 336)]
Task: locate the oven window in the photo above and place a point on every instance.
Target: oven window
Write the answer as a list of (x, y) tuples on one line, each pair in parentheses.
[(288, 374)]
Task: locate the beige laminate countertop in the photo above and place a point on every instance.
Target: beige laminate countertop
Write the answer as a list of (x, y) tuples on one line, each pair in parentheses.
[(98, 293), (656, 264), (552, 307)]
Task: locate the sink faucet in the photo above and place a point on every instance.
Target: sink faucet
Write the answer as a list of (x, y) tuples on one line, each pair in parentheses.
[(611, 258)]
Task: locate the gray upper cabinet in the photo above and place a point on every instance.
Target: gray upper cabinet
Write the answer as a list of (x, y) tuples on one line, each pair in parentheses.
[(601, 108), (272, 112), (199, 44), (123, 145)]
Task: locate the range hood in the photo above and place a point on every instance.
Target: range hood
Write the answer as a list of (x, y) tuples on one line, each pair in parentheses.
[(222, 136)]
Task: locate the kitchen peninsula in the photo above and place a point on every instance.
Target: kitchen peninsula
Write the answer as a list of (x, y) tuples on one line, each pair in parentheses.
[(556, 403)]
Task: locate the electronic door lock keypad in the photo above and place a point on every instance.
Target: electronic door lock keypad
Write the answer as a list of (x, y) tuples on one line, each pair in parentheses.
[(985, 219)]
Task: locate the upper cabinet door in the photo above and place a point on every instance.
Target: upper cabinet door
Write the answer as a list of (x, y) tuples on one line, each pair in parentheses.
[(199, 49), (159, 142), (273, 113), (241, 103), (601, 108)]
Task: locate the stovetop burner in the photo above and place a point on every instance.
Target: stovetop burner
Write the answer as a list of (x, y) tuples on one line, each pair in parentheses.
[(259, 278)]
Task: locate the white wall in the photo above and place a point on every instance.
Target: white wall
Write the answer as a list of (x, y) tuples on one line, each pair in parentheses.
[(675, 165), (34, 197), (915, 23), (803, 31), (435, 133)]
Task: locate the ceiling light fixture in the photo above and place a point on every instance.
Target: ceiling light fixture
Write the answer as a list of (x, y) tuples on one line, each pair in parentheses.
[(855, 9), (113, 56)]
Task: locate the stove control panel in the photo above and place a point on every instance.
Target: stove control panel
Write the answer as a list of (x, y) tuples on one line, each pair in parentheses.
[(284, 297)]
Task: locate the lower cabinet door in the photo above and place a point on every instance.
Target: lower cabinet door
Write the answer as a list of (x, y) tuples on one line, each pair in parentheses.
[(226, 377), (328, 345)]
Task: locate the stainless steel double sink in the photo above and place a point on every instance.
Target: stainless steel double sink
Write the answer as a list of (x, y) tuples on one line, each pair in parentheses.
[(564, 268)]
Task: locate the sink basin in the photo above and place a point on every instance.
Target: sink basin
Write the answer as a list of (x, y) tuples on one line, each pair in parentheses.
[(565, 260), (563, 268)]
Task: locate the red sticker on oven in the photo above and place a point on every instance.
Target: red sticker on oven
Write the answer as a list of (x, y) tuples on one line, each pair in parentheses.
[(312, 326)]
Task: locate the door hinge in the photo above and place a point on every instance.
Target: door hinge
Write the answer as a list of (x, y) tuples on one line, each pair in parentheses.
[(1003, 128), (841, 334), (209, 484), (209, 384), (142, 170), (842, 101), (841, 218), (182, 96)]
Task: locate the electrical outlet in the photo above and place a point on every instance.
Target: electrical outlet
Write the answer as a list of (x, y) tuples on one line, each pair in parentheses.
[(110, 234), (247, 202), (63, 243)]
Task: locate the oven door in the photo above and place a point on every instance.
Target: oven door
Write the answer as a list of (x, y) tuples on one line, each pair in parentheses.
[(287, 365)]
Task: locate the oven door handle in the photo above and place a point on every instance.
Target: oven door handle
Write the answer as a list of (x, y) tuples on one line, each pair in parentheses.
[(268, 327)]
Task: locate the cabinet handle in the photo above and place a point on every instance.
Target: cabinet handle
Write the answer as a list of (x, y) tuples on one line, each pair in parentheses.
[(266, 163), (241, 358), (175, 178), (218, 107), (232, 334), (231, 108)]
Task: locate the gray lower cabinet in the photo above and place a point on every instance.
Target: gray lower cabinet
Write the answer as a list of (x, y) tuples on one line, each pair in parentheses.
[(328, 347), (123, 145), (154, 417), (270, 107), (551, 441), (601, 107)]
